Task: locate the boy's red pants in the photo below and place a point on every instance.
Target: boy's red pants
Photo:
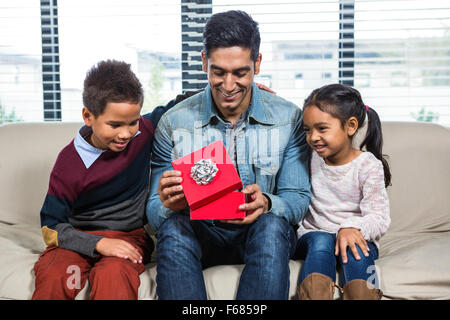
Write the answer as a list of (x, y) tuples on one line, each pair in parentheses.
[(61, 274)]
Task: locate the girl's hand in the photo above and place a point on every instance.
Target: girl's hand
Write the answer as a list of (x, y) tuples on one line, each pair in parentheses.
[(350, 237), (118, 248)]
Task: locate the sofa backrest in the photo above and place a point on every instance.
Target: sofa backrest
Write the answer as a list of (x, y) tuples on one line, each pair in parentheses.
[(419, 156), (28, 152)]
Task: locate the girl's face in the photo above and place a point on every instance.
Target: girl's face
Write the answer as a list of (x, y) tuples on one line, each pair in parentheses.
[(325, 135)]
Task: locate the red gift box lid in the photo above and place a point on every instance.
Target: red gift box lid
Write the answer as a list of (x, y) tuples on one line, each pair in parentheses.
[(225, 181), (226, 207)]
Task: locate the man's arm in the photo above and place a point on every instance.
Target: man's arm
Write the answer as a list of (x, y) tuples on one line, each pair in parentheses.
[(163, 185), (157, 113), (161, 162), (292, 193)]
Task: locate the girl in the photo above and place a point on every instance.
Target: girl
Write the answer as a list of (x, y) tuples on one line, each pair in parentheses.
[(349, 209)]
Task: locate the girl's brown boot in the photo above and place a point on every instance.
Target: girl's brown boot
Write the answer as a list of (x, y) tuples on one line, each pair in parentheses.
[(316, 286), (361, 290)]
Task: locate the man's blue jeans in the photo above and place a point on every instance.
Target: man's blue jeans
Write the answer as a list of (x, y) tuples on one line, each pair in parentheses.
[(186, 247), (317, 249)]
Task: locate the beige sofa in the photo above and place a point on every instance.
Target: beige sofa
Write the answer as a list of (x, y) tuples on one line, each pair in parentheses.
[(414, 258)]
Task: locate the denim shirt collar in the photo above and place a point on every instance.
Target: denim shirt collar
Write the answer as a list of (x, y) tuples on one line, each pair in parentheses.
[(257, 109)]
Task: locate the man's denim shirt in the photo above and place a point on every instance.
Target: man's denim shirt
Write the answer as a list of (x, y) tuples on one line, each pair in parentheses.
[(271, 149)]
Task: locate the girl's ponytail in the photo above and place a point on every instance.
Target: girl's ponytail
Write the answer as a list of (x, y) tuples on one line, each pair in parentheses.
[(344, 102), (374, 142)]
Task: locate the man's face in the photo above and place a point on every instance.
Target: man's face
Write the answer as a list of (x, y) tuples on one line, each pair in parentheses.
[(230, 74)]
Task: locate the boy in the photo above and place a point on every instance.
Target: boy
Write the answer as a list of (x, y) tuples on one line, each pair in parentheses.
[(94, 212)]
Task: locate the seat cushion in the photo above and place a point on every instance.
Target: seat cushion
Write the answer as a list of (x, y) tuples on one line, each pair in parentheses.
[(415, 266), (411, 266), (21, 245)]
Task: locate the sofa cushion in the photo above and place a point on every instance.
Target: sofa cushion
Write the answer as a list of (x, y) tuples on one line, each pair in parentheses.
[(22, 244), (415, 265), (412, 266)]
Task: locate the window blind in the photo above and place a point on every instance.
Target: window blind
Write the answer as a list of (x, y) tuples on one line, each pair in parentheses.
[(50, 60)]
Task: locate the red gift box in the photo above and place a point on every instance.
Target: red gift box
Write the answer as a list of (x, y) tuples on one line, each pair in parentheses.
[(224, 182), (226, 207)]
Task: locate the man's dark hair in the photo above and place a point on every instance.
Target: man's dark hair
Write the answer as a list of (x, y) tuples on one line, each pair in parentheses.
[(230, 29), (110, 81)]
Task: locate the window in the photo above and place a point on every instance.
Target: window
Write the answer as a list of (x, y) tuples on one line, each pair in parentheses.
[(299, 42), (20, 61), (404, 47), (145, 33), (395, 52), (362, 80), (299, 81)]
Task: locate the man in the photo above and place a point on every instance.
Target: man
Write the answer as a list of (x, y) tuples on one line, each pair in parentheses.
[(264, 138)]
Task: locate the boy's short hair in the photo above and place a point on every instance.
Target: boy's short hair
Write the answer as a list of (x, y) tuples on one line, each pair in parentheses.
[(229, 29), (110, 81)]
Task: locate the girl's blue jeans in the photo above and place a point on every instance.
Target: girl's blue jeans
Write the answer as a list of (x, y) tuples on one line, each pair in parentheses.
[(316, 248)]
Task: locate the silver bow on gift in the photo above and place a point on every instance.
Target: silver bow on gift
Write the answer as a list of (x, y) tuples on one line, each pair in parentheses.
[(204, 171)]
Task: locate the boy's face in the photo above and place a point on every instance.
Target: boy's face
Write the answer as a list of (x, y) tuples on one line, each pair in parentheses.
[(115, 127), (230, 74)]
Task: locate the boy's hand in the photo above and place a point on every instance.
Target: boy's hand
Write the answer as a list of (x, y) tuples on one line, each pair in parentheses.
[(350, 237), (118, 248), (171, 192), (258, 205)]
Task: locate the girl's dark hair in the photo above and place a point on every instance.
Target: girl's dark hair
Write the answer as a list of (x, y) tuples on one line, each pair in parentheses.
[(344, 102), (110, 81), (229, 29)]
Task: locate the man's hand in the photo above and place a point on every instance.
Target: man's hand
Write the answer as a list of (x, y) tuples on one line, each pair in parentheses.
[(263, 87), (350, 237), (255, 208), (171, 192), (118, 248)]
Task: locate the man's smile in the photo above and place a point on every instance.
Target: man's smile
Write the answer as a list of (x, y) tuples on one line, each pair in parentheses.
[(229, 96)]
